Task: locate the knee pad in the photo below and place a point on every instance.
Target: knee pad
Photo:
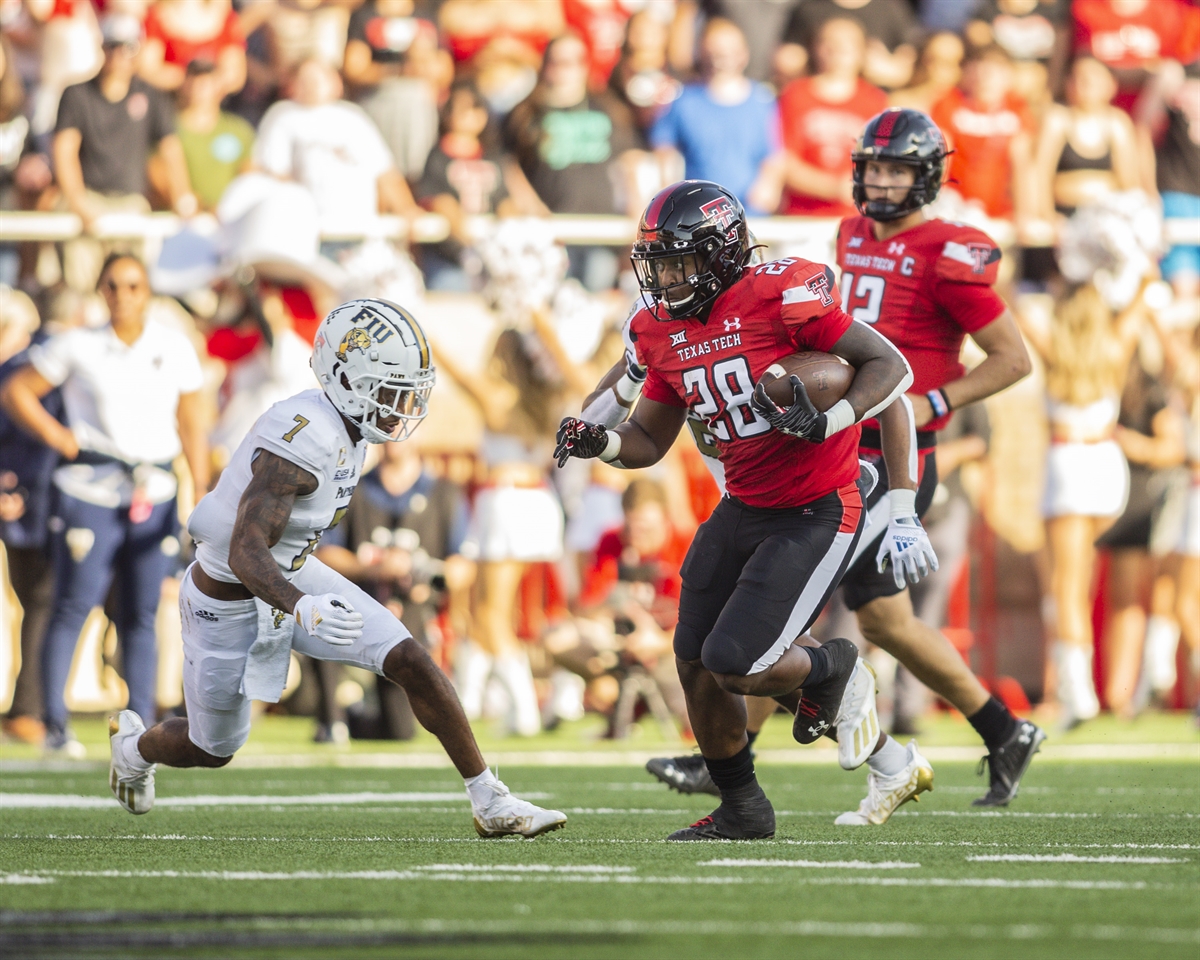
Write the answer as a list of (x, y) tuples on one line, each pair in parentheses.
[(723, 654), (688, 643)]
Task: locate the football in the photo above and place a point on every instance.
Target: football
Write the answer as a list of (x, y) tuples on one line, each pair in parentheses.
[(825, 377)]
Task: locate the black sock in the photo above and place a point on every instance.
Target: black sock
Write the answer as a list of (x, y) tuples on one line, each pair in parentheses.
[(822, 666), (994, 723), (734, 772), (751, 735)]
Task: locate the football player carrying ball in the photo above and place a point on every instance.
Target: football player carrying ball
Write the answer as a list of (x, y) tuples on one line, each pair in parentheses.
[(764, 564)]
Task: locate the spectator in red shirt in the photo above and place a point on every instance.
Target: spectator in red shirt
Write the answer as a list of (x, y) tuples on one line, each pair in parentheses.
[(601, 25), (1130, 37), (629, 605), (990, 131), (180, 31), (822, 116)]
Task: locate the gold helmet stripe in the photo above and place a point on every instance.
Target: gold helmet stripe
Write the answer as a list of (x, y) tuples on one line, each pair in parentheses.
[(422, 343)]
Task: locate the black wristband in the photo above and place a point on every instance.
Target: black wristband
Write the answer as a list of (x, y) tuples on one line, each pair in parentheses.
[(939, 402)]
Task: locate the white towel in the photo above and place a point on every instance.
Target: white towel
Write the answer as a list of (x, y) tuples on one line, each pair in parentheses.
[(269, 657)]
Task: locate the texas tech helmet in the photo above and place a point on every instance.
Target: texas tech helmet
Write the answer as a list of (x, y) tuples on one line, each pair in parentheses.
[(692, 244), (905, 136)]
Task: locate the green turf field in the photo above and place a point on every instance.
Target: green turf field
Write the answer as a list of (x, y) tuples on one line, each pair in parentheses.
[(1098, 858)]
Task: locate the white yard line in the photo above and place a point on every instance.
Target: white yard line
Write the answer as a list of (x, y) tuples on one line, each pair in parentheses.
[(814, 864), (579, 874), (1068, 858), (16, 801)]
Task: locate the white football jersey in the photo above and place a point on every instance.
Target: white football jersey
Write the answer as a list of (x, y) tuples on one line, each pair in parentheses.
[(308, 431)]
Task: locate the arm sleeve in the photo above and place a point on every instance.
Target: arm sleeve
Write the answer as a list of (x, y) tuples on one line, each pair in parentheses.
[(162, 120), (189, 376), (658, 390), (966, 269), (70, 110), (665, 131), (810, 307), (52, 359)]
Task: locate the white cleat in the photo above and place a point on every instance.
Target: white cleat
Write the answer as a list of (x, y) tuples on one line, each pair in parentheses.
[(133, 789), (857, 721), (885, 794), (508, 816)]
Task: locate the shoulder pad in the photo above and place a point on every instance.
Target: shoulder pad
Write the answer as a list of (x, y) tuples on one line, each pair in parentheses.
[(968, 255)]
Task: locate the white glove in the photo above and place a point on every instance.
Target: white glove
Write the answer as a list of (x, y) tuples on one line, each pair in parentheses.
[(905, 544), (329, 617)]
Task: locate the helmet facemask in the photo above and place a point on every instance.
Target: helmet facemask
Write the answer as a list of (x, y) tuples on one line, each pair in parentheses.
[(684, 282), (884, 210), (385, 399)]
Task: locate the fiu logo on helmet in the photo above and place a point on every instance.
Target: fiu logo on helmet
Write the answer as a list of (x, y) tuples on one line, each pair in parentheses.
[(819, 287), (720, 211), (356, 339)]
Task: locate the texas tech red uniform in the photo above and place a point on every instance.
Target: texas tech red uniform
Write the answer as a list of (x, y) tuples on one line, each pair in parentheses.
[(924, 289), (779, 308), (763, 565)]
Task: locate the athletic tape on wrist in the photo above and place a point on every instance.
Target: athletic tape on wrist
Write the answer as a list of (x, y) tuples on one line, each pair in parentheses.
[(627, 388), (612, 449), (902, 503), (838, 417)]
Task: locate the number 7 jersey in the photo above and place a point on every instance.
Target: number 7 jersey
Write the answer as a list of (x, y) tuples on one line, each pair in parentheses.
[(711, 368), (305, 430)]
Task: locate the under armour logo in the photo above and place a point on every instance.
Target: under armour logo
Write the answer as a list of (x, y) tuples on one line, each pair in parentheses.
[(981, 256), (734, 323), (818, 729), (819, 286), (855, 243), (679, 339), (896, 248)]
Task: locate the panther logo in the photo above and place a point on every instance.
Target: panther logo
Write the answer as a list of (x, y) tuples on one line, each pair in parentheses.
[(356, 339)]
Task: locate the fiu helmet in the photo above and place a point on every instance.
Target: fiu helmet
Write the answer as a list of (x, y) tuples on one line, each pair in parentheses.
[(692, 244), (372, 360), (905, 136)]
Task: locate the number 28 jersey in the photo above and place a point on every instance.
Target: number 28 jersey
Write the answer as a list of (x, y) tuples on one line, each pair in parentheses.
[(711, 368), (924, 289), (305, 430)]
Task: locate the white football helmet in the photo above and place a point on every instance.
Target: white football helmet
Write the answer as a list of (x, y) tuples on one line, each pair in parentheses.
[(373, 362)]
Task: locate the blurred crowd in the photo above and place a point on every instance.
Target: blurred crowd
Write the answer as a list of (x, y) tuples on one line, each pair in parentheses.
[(283, 133)]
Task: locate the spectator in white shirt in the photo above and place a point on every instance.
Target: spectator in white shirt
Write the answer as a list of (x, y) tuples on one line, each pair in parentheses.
[(132, 395), (331, 147)]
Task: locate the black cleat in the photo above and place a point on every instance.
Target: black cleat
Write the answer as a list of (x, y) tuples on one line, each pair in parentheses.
[(819, 705), (1007, 765), (744, 814), (685, 774)]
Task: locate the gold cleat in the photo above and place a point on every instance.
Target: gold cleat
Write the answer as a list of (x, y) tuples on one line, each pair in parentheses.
[(887, 794), (133, 788)]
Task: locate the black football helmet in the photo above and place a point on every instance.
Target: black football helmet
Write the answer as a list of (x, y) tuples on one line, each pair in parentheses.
[(692, 244), (901, 136)]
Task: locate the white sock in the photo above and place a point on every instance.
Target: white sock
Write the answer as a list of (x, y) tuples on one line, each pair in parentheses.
[(481, 788), (1162, 640), (133, 756), (890, 760)]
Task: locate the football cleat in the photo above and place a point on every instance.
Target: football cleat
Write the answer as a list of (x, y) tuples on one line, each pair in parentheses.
[(819, 705), (885, 794), (507, 816), (745, 814), (134, 789), (685, 774), (857, 720), (1007, 765)]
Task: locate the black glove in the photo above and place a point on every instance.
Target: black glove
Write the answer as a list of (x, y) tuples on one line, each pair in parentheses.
[(578, 438), (801, 419)]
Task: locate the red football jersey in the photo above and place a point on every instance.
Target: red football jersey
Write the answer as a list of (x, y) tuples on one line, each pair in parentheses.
[(778, 308), (924, 289)]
